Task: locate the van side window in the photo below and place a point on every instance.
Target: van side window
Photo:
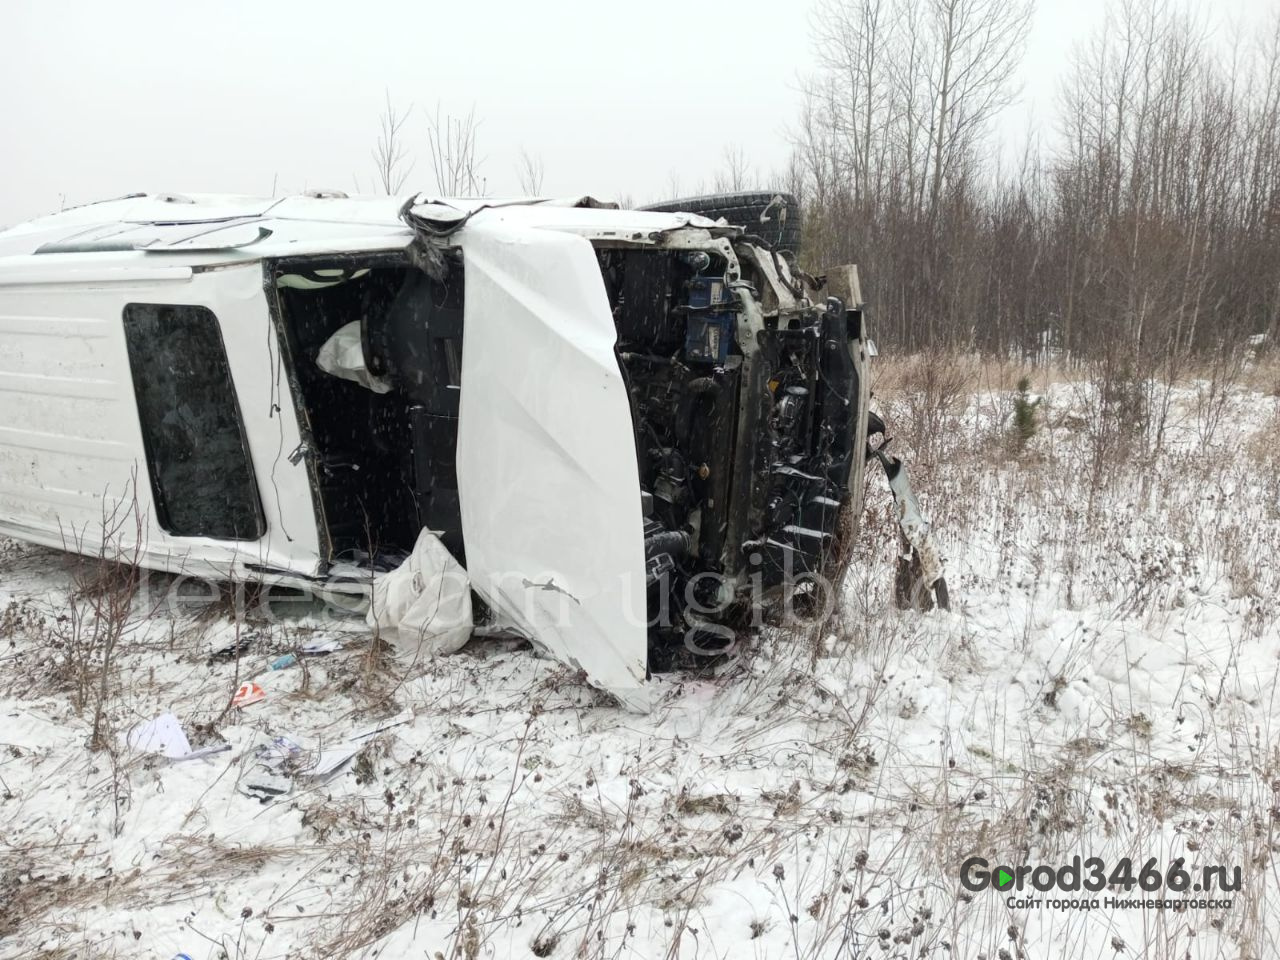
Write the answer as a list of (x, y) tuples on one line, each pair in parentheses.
[(201, 475)]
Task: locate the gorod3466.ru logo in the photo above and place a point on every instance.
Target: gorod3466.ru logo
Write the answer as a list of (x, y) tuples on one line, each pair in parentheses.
[(1092, 875)]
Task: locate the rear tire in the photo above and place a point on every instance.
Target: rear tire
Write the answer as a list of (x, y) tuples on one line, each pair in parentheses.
[(780, 228)]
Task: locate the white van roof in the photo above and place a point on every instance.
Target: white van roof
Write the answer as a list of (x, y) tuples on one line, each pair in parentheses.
[(190, 229)]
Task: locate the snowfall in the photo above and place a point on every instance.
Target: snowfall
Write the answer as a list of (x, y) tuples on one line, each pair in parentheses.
[(1103, 686)]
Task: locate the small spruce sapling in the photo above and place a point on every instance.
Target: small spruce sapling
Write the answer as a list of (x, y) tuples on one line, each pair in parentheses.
[(1024, 414)]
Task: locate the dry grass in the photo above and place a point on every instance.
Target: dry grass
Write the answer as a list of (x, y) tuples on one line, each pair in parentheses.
[(818, 802)]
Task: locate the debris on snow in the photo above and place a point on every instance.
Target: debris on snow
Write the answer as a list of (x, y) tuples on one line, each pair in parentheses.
[(423, 607), (248, 693)]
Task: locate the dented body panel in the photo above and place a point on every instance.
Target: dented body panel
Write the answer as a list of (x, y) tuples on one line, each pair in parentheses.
[(546, 461), (536, 401)]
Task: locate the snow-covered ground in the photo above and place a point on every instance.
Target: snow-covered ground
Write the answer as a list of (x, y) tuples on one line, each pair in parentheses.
[(1105, 686)]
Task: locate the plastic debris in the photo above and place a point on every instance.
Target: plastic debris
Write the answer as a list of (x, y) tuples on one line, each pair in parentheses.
[(423, 607), (280, 761), (264, 785), (288, 660), (269, 777), (248, 693), (280, 752), (237, 646), (330, 761), (164, 735), (319, 647)]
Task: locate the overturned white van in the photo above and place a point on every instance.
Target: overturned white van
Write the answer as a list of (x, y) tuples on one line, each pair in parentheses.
[(619, 422)]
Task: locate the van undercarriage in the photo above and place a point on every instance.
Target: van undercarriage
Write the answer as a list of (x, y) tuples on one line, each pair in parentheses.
[(619, 429), (747, 413), (745, 428)]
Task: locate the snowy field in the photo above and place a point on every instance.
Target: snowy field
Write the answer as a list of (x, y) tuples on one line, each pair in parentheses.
[(1105, 686)]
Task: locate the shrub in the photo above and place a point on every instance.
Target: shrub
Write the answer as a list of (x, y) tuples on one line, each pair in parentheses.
[(1024, 414)]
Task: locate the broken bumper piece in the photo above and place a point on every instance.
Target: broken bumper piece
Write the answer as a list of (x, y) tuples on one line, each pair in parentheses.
[(924, 582)]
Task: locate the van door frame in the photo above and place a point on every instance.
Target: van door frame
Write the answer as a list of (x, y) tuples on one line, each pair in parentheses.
[(307, 451)]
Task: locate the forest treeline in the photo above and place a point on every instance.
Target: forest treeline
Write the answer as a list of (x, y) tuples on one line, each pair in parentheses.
[(1144, 228)]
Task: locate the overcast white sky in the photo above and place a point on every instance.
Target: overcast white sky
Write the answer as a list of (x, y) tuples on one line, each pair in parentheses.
[(100, 99)]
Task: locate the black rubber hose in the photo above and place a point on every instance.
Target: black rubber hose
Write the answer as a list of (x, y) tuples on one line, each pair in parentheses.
[(700, 387), (670, 541)]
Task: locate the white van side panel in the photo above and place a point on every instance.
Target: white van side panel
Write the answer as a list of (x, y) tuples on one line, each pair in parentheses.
[(70, 439)]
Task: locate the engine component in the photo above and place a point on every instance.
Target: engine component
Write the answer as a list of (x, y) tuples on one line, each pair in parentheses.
[(709, 331), (661, 548)]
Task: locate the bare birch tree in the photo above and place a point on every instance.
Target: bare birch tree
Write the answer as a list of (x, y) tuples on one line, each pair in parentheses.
[(454, 161), (734, 173), (529, 171), (390, 155), (976, 48)]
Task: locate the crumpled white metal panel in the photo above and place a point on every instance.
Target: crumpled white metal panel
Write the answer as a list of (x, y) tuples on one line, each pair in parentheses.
[(546, 459)]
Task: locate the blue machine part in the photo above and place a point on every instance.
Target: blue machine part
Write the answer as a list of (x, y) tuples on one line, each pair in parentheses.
[(709, 330)]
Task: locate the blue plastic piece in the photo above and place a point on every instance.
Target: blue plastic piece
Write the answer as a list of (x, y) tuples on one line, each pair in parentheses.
[(709, 330)]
